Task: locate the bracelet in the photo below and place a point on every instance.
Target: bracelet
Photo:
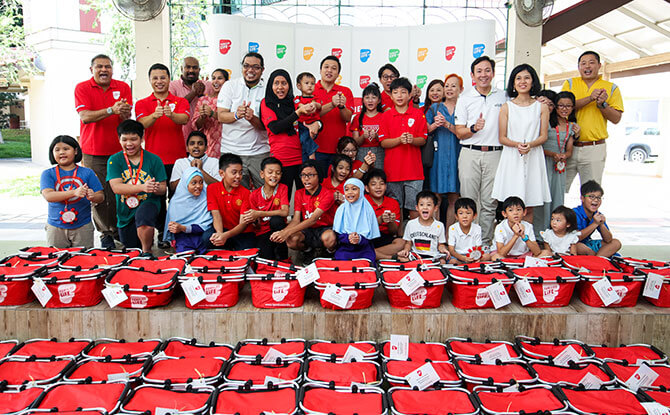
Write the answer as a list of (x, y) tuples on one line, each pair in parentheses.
[(235, 115), (340, 107), (525, 238), (361, 170)]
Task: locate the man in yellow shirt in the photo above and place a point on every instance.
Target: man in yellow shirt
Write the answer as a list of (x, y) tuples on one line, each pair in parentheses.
[(597, 101)]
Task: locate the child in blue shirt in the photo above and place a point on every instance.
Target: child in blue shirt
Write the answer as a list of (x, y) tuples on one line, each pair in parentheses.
[(590, 220), (70, 189)]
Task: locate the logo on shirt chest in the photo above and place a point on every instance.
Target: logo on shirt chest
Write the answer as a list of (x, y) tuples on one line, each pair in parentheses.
[(410, 122), (116, 94), (275, 202), (172, 106)]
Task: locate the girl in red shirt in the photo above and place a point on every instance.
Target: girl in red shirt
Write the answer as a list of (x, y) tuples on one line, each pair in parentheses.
[(365, 126), (348, 147), (340, 171)]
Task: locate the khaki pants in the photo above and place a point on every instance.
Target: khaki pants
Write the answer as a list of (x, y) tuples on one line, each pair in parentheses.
[(252, 170), (103, 214), (588, 162), (476, 172), (68, 238)]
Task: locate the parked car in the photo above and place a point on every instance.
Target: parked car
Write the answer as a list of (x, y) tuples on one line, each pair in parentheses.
[(643, 143)]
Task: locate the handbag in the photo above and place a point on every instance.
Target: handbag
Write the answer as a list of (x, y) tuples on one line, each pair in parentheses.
[(428, 149)]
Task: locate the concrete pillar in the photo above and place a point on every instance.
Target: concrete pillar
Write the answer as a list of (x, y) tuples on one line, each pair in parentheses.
[(152, 45), (524, 43)]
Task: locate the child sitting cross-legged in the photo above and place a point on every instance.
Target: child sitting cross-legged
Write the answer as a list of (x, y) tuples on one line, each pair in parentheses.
[(465, 236), (514, 237), (424, 236), (196, 146), (590, 220), (387, 211), (355, 224)]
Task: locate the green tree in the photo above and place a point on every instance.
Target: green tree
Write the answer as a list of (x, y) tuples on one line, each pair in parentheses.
[(15, 57)]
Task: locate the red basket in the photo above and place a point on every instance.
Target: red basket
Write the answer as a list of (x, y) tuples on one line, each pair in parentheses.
[(250, 348), (361, 286), (431, 402), (342, 401), (112, 349), (664, 296), (516, 263), (50, 261), (396, 371), (254, 372), (81, 262), (552, 286), (274, 285), (624, 372), (342, 374), (170, 370), (45, 348), (428, 296), (628, 264), (657, 396), (418, 264), (533, 348), (596, 264), (17, 371), (68, 397), (214, 264), (610, 402), (175, 398), (631, 354), (151, 265), (232, 255), (323, 264), (98, 371), (257, 400), (13, 401), (6, 346), (144, 289), (550, 374), (326, 350), (466, 349), (468, 288), (71, 288), (180, 347), (529, 400), (128, 252), (422, 352), (221, 290), (504, 374), (46, 251), (15, 283), (627, 286)]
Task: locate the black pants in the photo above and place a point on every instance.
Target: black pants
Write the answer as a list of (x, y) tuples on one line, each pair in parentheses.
[(163, 212), (289, 176), (268, 249)]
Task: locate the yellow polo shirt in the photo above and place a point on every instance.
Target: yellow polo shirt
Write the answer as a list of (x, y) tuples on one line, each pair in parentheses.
[(590, 119)]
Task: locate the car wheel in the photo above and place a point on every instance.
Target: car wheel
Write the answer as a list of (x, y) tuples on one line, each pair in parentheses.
[(638, 155)]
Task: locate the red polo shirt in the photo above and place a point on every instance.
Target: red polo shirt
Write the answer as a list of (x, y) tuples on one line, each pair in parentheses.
[(100, 138), (403, 162), (333, 125), (369, 123), (229, 204), (164, 138), (309, 118), (387, 204), (387, 101), (306, 204), (258, 202)]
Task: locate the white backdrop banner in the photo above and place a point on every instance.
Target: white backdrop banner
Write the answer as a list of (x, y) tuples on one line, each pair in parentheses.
[(421, 53)]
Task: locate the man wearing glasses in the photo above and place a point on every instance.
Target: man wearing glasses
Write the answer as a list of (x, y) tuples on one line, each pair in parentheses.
[(238, 108), (387, 74)]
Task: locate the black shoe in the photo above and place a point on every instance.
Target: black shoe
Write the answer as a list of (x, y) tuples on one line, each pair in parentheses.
[(164, 245), (107, 242)]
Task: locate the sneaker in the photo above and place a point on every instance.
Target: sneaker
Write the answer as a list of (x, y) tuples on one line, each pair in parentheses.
[(107, 242), (163, 245)]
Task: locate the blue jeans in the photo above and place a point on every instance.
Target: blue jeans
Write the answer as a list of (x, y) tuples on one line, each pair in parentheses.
[(309, 147)]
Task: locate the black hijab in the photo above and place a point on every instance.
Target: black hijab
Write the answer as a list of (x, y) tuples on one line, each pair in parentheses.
[(283, 108)]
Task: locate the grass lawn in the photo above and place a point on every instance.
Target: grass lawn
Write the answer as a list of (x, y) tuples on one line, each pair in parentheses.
[(20, 186), (16, 145)]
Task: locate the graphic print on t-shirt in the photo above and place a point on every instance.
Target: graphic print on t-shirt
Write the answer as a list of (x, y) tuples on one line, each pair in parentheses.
[(422, 244)]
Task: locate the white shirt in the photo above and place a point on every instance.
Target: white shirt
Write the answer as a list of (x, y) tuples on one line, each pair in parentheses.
[(504, 234), (240, 137), (560, 244), (210, 166), (425, 239), (463, 242), (468, 107)]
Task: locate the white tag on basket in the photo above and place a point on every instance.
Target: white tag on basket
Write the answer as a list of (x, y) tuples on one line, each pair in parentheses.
[(114, 295), (511, 388), (353, 353), (118, 376), (336, 295), (422, 377), (199, 382), (411, 282), (188, 269), (655, 408), (568, 354), (583, 270), (165, 411), (591, 381), (193, 290), (307, 275), (399, 347), (531, 261), (524, 291), (652, 287), (272, 354), (495, 353), (643, 377), (41, 291), (275, 381), (605, 291), (498, 295)]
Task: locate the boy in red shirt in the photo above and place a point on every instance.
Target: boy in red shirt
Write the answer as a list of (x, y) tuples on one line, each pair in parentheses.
[(387, 211), (402, 132), (313, 214), (308, 125), (225, 200), (267, 209)]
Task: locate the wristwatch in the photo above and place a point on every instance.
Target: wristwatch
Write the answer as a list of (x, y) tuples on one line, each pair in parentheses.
[(603, 105), (110, 111), (472, 129), (340, 107), (525, 238)]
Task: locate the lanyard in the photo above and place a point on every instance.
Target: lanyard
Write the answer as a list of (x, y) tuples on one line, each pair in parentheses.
[(130, 169), (558, 137), (58, 184)]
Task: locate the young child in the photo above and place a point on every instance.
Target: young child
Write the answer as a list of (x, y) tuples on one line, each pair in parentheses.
[(225, 200), (267, 209), (365, 126), (355, 224), (590, 220), (196, 146), (387, 211), (424, 236), (514, 237), (188, 222), (70, 189), (308, 125), (562, 237), (349, 147), (138, 179), (465, 236), (402, 132), (313, 214), (339, 172)]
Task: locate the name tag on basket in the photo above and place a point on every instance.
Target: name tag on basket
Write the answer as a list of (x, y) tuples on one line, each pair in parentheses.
[(423, 377), (336, 295), (497, 353), (524, 292), (498, 295), (411, 282)]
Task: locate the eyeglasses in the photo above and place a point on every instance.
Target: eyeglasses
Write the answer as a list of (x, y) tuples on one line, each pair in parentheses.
[(308, 175), (564, 107), (594, 197), (345, 151), (388, 77), (246, 66)]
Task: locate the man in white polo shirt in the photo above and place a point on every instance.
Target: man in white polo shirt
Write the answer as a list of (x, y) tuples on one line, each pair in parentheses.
[(238, 108), (476, 123)]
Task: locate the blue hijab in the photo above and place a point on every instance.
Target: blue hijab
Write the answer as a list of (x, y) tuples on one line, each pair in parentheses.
[(356, 217), (186, 209)]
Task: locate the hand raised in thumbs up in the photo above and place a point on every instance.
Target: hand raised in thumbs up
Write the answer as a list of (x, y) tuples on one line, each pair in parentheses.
[(479, 124)]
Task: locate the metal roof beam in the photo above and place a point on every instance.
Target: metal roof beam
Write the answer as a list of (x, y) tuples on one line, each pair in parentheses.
[(577, 15), (621, 42), (653, 26)]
